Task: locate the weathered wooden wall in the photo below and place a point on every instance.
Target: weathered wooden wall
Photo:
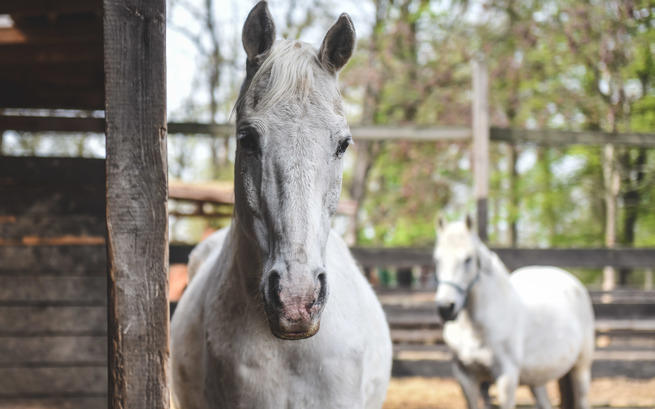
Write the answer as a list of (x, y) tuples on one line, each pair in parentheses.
[(53, 345)]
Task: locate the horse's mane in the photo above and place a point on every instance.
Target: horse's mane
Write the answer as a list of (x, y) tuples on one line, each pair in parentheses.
[(490, 259), (290, 69)]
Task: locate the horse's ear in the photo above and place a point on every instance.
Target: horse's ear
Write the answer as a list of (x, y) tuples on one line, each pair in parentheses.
[(258, 33), (338, 44), (469, 222)]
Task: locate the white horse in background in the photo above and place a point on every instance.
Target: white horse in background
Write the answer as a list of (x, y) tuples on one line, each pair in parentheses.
[(529, 328), (246, 331)]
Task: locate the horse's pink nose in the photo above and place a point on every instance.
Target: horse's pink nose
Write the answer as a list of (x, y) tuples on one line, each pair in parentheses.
[(294, 306)]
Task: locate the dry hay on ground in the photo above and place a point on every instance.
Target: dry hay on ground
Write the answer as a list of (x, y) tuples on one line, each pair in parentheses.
[(440, 393)]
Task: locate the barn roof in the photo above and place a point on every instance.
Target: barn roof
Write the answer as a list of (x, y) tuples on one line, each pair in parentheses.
[(51, 54)]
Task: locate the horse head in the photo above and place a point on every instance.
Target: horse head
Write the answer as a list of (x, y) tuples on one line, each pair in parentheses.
[(291, 137), (459, 258)]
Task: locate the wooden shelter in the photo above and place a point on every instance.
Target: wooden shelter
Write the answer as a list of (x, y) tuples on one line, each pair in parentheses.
[(83, 242)]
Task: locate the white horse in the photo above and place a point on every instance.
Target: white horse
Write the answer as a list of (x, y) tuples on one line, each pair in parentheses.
[(529, 328), (246, 332)]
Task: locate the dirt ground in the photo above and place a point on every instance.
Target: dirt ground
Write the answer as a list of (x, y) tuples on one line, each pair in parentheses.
[(438, 393)]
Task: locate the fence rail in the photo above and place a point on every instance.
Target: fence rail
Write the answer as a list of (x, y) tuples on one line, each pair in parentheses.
[(512, 257), (360, 132)]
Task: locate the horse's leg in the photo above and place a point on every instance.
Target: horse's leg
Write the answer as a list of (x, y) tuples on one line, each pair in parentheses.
[(484, 391), (581, 380), (468, 383), (506, 384), (541, 397)]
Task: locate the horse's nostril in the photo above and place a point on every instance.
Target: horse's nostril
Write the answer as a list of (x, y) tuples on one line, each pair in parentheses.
[(309, 306), (322, 293), (446, 310), (274, 288)]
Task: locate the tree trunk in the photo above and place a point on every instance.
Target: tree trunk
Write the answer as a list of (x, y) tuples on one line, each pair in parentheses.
[(612, 185), (513, 195), (631, 197), (366, 151), (544, 155)]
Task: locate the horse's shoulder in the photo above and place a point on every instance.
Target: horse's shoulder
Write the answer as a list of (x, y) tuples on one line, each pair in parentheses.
[(204, 250), (339, 260)]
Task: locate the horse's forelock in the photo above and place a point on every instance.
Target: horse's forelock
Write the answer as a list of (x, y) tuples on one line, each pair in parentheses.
[(289, 71)]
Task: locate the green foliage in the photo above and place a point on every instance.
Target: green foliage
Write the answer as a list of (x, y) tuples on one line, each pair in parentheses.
[(569, 64), (553, 64)]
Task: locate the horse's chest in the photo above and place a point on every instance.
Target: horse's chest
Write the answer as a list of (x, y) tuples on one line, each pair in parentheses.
[(274, 378), (470, 350)]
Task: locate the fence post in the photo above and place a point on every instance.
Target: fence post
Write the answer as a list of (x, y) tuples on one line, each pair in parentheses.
[(648, 279), (481, 142), (137, 192)]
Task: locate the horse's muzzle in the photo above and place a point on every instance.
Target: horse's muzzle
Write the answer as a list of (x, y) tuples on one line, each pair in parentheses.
[(447, 311), (293, 309)]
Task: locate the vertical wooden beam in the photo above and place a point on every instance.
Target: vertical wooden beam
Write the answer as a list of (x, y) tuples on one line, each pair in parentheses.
[(612, 181), (481, 142), (135, 109)]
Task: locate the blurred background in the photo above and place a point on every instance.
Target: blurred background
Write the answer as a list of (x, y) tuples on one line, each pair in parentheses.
[(571, 65), (571, 160)]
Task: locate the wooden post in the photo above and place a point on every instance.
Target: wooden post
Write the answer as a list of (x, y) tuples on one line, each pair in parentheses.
[(648, 279), (135, 110), (481, 142), (612, 181)]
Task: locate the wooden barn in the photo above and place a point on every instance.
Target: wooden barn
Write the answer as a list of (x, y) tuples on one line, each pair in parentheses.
[(83, 242)]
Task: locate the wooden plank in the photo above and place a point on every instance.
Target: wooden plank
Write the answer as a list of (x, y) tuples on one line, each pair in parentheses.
[(614, 310), (556, 137), (86, 350), (23, 54), (33, 321), (396, 257), (53, 289), (48, 171), (411, 133), (63, 32), (51, 124), (210, 194), (53, 260), (45, 226), (53, 96), (359, 132), (195, 128), (137, 221), (583, 258), (69, 402), (73, 85), (378, 132), (644, 369), (72, 75), (49, 7), (513, 258), (53, 200), (480, 154), (27, 382)]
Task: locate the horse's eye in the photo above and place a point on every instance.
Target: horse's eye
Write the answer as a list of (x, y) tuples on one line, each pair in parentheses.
[(468, 261), (343, 145), (248, 140)]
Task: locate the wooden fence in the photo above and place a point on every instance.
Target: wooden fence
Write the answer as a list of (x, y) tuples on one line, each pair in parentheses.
[(512, 257)]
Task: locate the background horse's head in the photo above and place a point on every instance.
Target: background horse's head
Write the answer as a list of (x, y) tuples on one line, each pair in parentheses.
[(292, 134), (458, 260)]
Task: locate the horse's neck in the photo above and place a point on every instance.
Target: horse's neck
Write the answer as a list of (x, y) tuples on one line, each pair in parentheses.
[(241, 262), (493, 297)]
